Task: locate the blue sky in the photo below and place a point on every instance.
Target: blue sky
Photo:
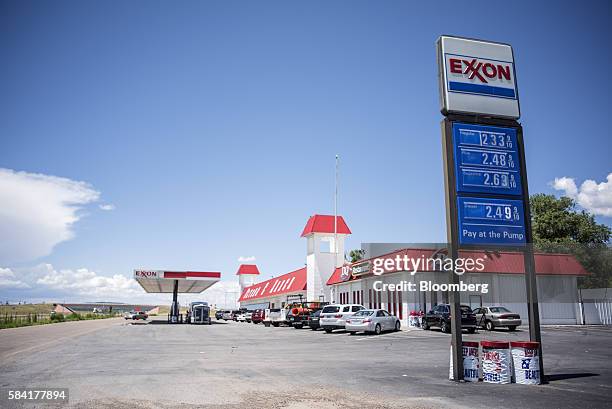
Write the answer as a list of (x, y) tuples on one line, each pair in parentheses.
[(212, 126)]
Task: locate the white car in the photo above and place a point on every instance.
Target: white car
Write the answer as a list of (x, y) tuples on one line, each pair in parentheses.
[(334, 316), (375, 321), (241, 317), (248, 316)]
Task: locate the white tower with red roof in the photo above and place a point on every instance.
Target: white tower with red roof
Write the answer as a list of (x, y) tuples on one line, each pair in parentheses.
[(325, 253), (247, 273)]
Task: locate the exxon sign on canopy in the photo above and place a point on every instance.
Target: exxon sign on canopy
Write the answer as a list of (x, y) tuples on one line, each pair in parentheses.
[(477, 77)]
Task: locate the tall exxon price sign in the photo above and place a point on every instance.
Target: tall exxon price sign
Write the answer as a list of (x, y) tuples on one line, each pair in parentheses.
[(487, 200)]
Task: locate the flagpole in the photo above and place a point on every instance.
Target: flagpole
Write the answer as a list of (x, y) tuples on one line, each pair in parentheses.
[(336, 215)]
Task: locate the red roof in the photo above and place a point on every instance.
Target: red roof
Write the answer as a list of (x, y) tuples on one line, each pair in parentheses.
[(247, 269), (502, 262), (287, 283), (322, 223)]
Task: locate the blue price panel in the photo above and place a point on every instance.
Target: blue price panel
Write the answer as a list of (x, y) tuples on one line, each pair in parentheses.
[(486, 159), (491, 221)]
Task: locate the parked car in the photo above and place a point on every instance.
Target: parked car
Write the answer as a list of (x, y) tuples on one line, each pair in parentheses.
[(334, 316), (248, 316), (497, 316), (133, 315), (375, 321), (440, 316), (227, 316), (258, 316), (240, 316), (218, 315), (235, 314), (313, 323)]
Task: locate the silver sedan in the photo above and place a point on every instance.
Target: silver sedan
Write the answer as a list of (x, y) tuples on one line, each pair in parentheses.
[(497, 316), (375, 321)]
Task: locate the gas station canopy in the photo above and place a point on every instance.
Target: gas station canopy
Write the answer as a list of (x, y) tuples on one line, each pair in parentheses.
[(159, 281)]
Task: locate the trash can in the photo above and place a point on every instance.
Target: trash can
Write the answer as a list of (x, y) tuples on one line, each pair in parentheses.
[(526, 362), (415, 319), (496, 363), (470, 362)]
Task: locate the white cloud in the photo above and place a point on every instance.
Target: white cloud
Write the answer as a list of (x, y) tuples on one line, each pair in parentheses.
[(566, 184), (84, 282), (246, 259), (596, 198), (38, 212), (8, 279), (45, 282), (107, 206)]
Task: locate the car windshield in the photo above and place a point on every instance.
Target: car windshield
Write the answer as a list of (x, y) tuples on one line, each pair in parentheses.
[(499, 309), (465, 309), (331, 308), (363, 313)]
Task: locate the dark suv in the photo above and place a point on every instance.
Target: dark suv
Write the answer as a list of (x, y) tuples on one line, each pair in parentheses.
[(440, 317)]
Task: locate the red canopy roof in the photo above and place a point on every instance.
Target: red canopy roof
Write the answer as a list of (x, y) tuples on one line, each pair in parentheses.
[(287, 283), (247, 269), (322, 223), (502, 262)]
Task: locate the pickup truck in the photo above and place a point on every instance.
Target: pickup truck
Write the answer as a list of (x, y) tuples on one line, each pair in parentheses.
[(275, 317)]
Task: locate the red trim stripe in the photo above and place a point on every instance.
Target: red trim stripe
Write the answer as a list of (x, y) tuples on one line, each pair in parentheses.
[(186, 274)]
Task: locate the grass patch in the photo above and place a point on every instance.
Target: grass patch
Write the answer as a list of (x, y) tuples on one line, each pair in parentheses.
[(26, 320)]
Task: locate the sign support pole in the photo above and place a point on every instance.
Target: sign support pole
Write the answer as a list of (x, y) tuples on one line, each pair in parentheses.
[(531, 284), (453, 252)]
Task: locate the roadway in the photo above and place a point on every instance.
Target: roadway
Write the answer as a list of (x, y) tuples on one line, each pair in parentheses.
[(118, 364)]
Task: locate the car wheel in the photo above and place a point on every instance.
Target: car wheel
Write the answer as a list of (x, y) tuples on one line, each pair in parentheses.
[(313, 328), (425, 325), (328, 330), (352, 332), (377, 329), (489, 326), (397, 325), (298, 326), (276, 324), (512, 328), (266, 324), (445, 327)]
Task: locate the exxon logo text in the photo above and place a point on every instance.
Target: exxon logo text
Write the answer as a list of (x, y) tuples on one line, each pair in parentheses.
[(146, 274), (482, 70)]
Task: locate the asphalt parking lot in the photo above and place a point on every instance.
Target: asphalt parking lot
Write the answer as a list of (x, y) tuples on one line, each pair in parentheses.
[(119, 364)]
